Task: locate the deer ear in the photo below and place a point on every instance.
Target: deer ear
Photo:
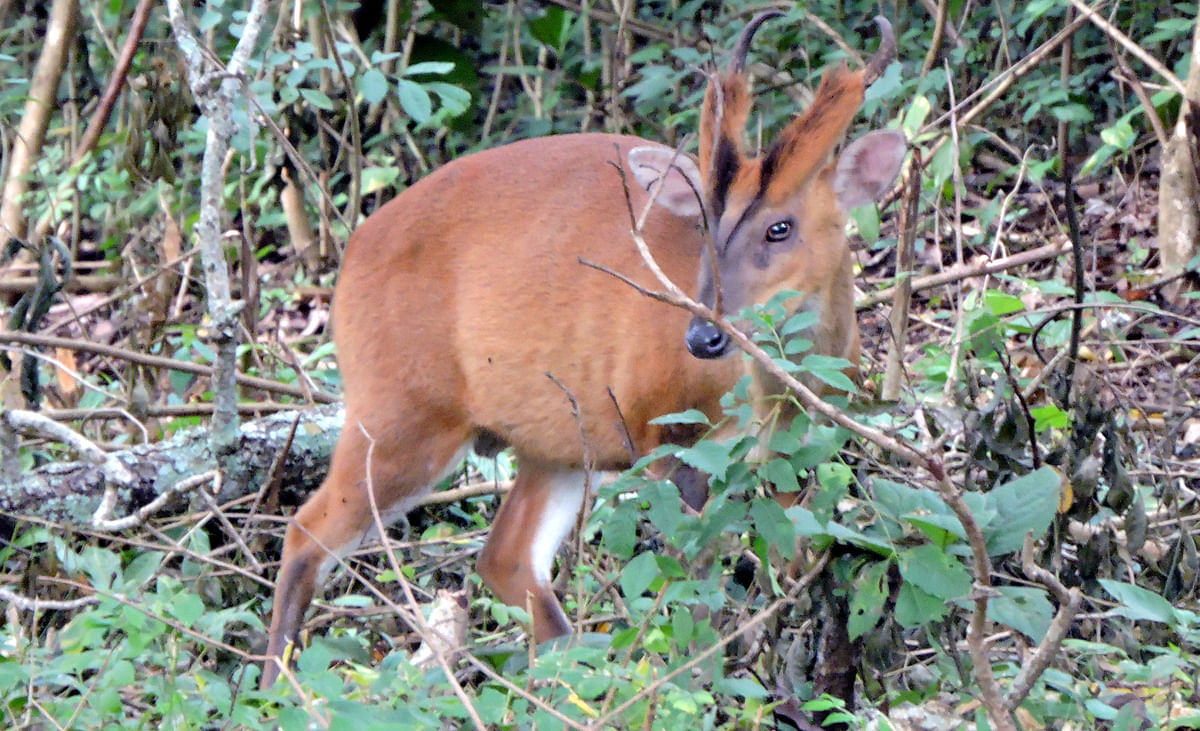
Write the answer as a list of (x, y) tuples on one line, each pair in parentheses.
[(678, 189), (868, 167)]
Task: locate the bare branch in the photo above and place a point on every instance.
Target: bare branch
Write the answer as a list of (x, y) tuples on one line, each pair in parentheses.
[(1125, 41)]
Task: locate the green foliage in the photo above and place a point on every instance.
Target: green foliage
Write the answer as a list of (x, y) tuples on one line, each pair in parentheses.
[(164, 644)]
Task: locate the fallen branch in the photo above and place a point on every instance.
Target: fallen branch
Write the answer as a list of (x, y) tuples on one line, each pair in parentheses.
[(70, 493), (966, 271)]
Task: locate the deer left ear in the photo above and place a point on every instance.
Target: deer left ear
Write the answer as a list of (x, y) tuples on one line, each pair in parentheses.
[(868, 166), (678, 188)]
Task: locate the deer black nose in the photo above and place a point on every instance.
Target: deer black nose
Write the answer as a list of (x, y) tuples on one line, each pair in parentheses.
[(705, 340)]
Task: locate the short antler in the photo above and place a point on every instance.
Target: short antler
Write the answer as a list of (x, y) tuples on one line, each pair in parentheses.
[(723, 118), (738, 62), (883, 56)]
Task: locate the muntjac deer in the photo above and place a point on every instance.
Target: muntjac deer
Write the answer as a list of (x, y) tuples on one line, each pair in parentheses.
[(463, 312)]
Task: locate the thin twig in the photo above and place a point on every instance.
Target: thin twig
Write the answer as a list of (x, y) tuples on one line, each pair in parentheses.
[(1077, 315), (26, 604), (156, 361), (966, 271), (1125, 41), (1069, 601), (898, 317), (114, 471), (935, 43), (116, 81), (101, 520), (1015, 385), (459, 494), (430, 636), (230, 531)]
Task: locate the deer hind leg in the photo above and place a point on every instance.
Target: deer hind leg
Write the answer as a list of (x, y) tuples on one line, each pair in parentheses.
[(338, 517), (536, 516)]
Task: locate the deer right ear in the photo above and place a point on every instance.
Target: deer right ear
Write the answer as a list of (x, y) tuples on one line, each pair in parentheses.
[(678, 189), (868, 167)]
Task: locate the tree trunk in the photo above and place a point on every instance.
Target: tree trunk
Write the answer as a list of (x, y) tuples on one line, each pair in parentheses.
[(1178, 214), (43, 93)]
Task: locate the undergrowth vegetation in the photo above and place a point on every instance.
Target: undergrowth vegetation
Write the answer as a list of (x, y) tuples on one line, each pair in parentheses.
[(1039, 362)]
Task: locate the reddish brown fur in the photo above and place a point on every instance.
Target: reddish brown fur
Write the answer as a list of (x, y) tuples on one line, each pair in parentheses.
[(724, 117), (460, 299), (430, 350), (805, 144)]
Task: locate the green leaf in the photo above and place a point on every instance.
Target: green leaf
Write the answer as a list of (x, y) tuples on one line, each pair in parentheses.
[(373, 86), (709, 456), (914, 118), (1025, 504), (491, 705), (804, 522), (455, 99), (669, 567), (796, 345), (691, 416), (101, 566), (638, 575), (314, 659), (1121, 135), (774, 525), (835, 476), (855, 537), (1002, 303), (744, 687), (941, 528), (141, 569), (866, 219), (781, 474), (375, 179), (869, 599), (209, 20), (1023, 608), (415, 100), (120, 673), (378, 57), (935, 572), (187, 608), (620, 529), (915, 608), (835, 479), (429, 67), (802, 320), (1049, 417), (1073, 113), (830, 370), (886, 84), (1140, 604), (682, 626), (822, 443), (317, 99), (942, 165), (553, 28), (666, 507), (656, 82)]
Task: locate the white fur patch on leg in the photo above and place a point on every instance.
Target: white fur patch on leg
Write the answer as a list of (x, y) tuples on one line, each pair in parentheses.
[(559, 517)]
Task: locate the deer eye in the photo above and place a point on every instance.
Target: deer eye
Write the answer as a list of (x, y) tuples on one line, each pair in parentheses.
[(779, 231)]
